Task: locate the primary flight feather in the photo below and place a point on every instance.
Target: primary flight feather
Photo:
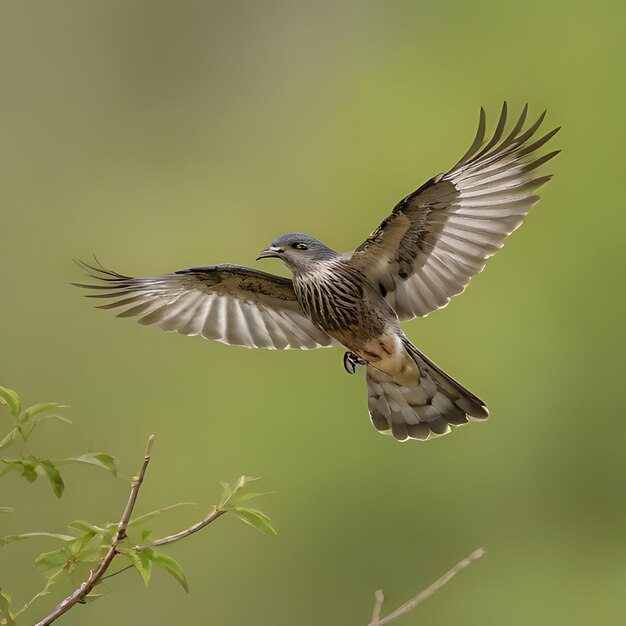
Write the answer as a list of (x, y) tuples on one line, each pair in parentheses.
[(424, 253)]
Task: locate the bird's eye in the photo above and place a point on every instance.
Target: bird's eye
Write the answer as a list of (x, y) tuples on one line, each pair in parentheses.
[(300, 246)]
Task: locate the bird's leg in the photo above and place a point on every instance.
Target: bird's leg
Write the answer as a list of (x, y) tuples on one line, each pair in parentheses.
[(350, 361)]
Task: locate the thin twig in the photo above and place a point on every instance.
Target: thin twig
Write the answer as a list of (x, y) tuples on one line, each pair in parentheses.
[(424, 595), (95, 575), (379, 598), (213, 514), (119, 571)]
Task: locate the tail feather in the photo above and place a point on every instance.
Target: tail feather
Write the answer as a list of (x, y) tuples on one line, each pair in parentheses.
[(423, 410)]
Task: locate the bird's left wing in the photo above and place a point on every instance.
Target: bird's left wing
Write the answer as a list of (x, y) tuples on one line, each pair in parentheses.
[(441, 235), (228, 303)]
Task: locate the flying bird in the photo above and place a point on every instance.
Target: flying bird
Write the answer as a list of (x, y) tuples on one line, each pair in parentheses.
[(421, 255)]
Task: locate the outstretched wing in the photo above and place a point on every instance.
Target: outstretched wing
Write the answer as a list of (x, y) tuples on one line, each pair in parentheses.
[(228, 303), (441, 235)]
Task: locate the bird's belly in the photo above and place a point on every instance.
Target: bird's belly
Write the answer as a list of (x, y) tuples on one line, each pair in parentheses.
[(387, 354), (361, 320)]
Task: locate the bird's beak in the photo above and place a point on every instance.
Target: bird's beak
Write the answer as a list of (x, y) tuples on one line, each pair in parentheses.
[(272, 252)]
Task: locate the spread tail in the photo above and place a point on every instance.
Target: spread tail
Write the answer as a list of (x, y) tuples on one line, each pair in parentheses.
[(425, 409)]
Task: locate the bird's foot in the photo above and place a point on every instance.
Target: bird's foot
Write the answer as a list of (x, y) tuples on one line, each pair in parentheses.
[(350, 361)]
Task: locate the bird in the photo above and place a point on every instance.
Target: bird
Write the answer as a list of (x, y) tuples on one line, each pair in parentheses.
[(424, 253)]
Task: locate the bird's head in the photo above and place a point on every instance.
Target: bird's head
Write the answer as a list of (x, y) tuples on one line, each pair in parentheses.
[(298, 251)]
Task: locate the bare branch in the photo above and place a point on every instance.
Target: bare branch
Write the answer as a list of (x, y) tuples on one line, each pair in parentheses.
[(95, 575), (424, 595), (213, 514), (134, 492), (379, 598)]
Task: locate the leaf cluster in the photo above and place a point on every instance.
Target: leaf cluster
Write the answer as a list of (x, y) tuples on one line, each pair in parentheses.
[(143, 559), (232, 499), (15, 459), (85, 544), (29, 466)]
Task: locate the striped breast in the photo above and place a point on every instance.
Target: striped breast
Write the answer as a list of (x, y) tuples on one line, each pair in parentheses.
[(331, 294)]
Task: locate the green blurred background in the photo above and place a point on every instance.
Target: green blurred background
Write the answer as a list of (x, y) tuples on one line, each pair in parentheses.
[(161, 135)]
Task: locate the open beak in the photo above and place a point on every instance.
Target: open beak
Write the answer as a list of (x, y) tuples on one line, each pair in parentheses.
[(273, 252)]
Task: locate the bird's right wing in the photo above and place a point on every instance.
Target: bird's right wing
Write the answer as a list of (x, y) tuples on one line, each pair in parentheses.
[(228, 303)]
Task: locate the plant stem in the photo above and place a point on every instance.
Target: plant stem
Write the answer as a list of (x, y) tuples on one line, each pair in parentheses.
[(96, 575), (424, 595), (213, 514)]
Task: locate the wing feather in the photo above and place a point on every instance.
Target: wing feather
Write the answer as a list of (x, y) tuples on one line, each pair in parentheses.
[(227, 303), (441, 235)]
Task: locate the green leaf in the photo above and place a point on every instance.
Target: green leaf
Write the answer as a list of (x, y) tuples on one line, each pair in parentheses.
[(26, 467), (86, 527), (8, 467), (5, 610), (32, 416), (52, 474), (79, 543), (231, 492), (7, 539), (6, 509), (52, 560), (8, 439), (249, 496), (142, 562), (37, 409), (147, 516), (99, 459), (29, 471), (255, 518), (11, 400), (173, 567), (242, 481), (90, 548)]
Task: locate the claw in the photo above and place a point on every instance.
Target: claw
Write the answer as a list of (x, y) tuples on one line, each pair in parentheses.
[(350, 361)]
